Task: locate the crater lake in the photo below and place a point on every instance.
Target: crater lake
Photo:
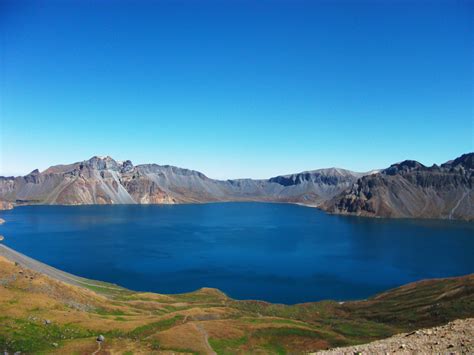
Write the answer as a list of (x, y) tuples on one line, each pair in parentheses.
[(266, 251)]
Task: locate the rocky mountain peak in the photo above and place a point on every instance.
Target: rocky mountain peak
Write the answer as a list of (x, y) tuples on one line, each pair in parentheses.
[(466, 161), (126, 167), (33, 177), (404, 166), (402, 190), (329, 176), (102, 163), (406, 189)]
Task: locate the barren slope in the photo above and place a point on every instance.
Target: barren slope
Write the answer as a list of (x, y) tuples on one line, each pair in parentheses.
[(102, 180), (412, 190)]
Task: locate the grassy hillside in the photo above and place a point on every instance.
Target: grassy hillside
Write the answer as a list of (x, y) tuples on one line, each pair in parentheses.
[(39, 314)]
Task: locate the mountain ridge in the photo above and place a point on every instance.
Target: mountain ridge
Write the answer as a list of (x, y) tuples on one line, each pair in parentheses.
[(407, 189), (410, 189), (104, 180)]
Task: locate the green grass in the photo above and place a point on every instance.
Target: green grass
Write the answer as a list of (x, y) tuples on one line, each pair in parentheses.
[(286, 331), (108, 290), (426, 305), (304, 312), (32, 337), (362, 329), (276, 336), (274, 348), (113, 333), (171, 308), (151, 328), (181, 350), (227, 346), (277, 321), (110, 312)]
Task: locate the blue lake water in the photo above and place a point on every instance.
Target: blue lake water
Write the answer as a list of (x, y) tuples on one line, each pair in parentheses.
[(275, 252)]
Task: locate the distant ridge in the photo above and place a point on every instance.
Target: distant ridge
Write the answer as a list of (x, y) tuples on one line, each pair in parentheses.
[(405, 189), (411, 190), (103, 180)]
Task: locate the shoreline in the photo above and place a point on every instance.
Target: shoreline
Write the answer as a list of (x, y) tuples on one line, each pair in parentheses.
[(42, 268), (71, 279), (75, 280), (302, 204)]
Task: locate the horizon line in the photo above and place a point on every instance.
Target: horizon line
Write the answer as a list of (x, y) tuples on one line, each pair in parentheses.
[(223, 179)]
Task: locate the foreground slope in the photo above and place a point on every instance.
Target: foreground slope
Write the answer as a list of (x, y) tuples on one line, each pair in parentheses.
[(102, 180), (39, 313), (412, 190), (456, 337)]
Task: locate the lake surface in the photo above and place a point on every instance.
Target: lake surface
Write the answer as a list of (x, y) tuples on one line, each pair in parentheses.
[(275, 252)]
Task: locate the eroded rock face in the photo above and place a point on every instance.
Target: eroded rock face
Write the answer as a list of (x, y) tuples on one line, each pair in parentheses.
[(410, 189), (126, 167), (145, 191), (406, 189), (102, 180)]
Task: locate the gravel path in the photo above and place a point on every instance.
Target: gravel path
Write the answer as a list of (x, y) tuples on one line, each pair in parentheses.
[(456, 337)]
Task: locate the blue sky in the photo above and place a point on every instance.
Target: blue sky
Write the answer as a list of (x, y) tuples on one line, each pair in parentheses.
[(236, 88)]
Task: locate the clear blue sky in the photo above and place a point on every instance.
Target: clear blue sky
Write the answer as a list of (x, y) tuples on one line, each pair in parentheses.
[(236, 88)]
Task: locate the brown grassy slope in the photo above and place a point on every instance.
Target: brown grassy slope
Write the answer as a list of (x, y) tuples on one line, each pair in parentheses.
[(207, 321)]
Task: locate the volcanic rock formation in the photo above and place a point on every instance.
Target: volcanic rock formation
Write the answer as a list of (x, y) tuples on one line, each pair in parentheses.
[(102, 180), (406, 189), (410, 189)]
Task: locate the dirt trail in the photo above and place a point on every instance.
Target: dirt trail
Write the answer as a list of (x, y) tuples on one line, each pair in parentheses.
[(99, 347), (203, 331), (456, 337)]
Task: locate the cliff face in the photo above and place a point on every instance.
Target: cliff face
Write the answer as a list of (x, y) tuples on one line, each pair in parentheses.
[(410, 189), (102, 180), (406, 189)]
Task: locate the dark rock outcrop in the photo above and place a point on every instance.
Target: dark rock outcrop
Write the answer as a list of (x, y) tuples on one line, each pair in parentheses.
[(410, 189)]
